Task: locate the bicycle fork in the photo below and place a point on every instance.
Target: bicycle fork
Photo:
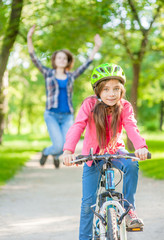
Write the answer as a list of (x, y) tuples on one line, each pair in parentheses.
[(102, 222)]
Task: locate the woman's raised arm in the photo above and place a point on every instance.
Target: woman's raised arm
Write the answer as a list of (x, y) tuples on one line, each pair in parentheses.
[(98, 43), (29, 39)]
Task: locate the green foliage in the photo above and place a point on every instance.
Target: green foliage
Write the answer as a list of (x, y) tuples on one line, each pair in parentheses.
[(72, 25), (4, 17), (154, 168), (16, 150), (148, 115), (26, 99)]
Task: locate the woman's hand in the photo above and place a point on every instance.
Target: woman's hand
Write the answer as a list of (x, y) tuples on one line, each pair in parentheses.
[(31, 31), (98, 41), (141, 153), (29, 39), (67, 157)]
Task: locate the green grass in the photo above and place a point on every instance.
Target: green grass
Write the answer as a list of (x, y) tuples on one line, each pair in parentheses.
[(154, 168), (15, 151)]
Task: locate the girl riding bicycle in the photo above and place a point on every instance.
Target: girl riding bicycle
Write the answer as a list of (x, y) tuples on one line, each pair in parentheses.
[(103, 116)]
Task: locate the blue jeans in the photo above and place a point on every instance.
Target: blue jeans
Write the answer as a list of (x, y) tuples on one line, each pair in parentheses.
[(90, 184), (57, 126)]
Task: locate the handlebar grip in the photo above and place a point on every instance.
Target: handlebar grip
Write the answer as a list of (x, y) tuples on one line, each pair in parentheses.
[(148, 155), (133, 155)]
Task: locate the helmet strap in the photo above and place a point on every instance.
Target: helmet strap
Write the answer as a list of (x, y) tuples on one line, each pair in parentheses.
[(100, 100)]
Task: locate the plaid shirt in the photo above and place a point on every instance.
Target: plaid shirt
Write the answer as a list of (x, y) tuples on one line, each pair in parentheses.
[(52, 87)]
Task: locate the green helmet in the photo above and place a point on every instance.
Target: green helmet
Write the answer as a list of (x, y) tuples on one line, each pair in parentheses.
[(107, 71)]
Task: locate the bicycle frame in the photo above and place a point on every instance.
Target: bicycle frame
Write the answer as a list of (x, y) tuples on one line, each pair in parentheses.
[(111, 214), (110, 203)]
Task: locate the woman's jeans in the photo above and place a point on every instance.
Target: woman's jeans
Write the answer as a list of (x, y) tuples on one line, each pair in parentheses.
[(90, 184), (57, 125)]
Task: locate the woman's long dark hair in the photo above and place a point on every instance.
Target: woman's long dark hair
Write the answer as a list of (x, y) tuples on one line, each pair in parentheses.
[(100, 113)]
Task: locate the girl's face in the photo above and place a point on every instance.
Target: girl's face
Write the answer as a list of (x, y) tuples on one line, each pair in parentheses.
[(61, 60), (111, 92)]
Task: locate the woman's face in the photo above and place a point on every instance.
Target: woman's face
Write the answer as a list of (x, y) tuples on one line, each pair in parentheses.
[(61, 60), (111, 92)]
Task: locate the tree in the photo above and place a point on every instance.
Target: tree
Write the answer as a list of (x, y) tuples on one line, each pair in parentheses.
[(131, 33), (128, 21), (129, 30), (8, 41)]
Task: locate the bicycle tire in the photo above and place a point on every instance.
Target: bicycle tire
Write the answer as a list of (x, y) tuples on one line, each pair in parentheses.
[(112, 231)]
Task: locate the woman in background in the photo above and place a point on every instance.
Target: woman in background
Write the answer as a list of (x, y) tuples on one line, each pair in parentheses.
[(59, 89)]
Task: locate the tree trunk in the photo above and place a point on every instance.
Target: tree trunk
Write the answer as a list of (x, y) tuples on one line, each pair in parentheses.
[(140, 55), (7, 45), (1, 116), (133, 97), (134, 89), (20, 115), (5, 84), (7, 123), (19, 121)]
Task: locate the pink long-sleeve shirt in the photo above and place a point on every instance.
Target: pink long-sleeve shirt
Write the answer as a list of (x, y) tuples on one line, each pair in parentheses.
[(84, 121)]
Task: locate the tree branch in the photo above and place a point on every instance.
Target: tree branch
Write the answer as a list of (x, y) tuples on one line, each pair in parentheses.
[(134, 11), (155, 16), (145, 35), (143, 30), (125, 42)]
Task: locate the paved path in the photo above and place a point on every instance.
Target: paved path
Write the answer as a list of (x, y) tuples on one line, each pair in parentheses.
[(44, 204)]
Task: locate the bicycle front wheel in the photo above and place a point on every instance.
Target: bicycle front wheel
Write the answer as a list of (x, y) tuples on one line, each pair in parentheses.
[(112, 230)]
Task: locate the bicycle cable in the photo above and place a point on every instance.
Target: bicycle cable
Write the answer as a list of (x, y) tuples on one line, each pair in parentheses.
[(97, 166), (114, 167)]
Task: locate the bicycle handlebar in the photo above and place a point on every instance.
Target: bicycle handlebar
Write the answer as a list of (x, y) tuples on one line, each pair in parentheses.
[(84, 158), (133, 154)]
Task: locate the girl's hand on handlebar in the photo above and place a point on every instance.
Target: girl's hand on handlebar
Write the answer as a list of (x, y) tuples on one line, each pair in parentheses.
[(67, 157), (141, 153)]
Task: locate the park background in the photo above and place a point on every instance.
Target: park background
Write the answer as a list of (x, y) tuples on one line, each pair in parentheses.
[(133, 37)]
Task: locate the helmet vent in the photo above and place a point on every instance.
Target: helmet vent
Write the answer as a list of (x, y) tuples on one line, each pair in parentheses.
[(109, 69), (116, 69), (102, 69), (98, 69), (94, 76)]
